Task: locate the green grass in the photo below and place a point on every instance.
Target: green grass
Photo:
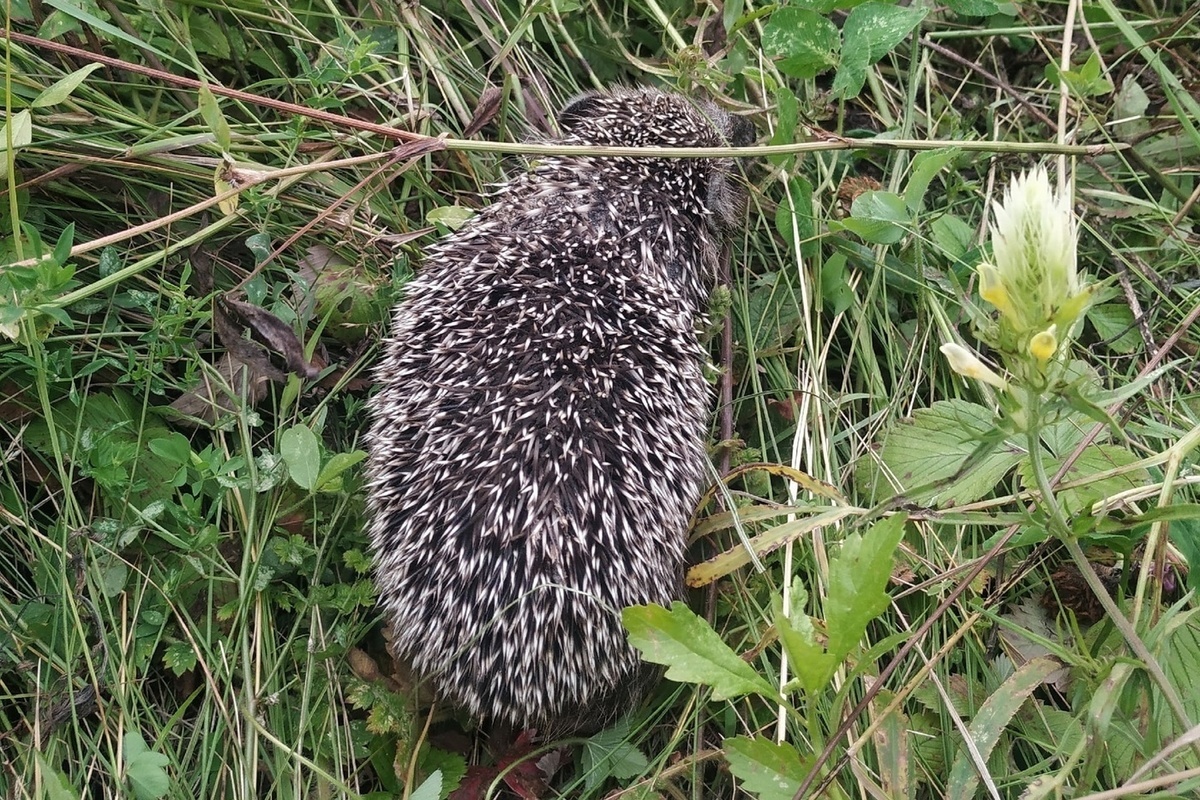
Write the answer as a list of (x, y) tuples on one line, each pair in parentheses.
[(185, 601)]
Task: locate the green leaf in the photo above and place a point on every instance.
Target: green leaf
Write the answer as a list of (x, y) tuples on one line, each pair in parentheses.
[(179, 657), (925, 166), (144, 768), (973, 8), (302, 453), (1096, 459), (77, 12), (858, 578), (1185, 535), (879, 217), (922, 455), (173, 448), (55, 785), (61, 89), (449, 217), (952, 236), (989, 723), (871, 31), (806, 41), (330, 479), (770, 770), (21, 124), (812, 665), (431, 789), (836, 294), (609, 754), (210, 112), (1114, 323), (692, 651)]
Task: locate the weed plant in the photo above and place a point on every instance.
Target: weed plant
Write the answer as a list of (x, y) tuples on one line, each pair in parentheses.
[(920, 575)]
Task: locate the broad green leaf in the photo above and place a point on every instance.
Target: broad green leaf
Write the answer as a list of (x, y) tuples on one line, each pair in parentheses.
[(431, 789), (973, 8), (330, 479), (302, 453), (989, 723), (836, 294), (794, 217), (808, 659), (692, 651), (770, 770), (925, 166), (61, 89), (871, 31), (1094, 460), (879, 217), (807, 42), (952, 236), (144, 768), (55, 785), (21, 125), (922, 455), (609, 754), (179, 657), (1114, 323), (858, 577), (449, 217)]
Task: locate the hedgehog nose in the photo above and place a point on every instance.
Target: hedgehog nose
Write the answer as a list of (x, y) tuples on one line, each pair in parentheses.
[(741, 132)]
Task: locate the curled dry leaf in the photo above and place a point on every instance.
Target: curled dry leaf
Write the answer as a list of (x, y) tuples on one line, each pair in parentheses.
[(268, 334), (486, 110)]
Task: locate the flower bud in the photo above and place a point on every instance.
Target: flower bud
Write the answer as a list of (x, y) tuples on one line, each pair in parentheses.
[(1043, 344), (966, 363)]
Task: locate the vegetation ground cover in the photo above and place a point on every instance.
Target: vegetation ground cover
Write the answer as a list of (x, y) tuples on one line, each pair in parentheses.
[(905, 578)]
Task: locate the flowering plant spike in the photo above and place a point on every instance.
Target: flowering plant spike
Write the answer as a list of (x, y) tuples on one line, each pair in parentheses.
[(1032, 281)]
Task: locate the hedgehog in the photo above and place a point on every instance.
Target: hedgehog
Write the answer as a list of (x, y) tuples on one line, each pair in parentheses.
[(538, 437)]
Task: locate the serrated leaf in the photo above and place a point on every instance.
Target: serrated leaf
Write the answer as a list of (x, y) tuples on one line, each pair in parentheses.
[(920, 454), (692, 651), (989, 723), (806, 41), (431, 789), (179, 657), (301, 452), (858, 577), (1096, 459), (1114, 323), (771, 770), (813, 666), (925, 167), (871, 31), (61, 89), (144, 768), (609, 754)]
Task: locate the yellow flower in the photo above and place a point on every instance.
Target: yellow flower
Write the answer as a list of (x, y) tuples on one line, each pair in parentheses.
[(991, 289), (966, 363), (1043, 345)]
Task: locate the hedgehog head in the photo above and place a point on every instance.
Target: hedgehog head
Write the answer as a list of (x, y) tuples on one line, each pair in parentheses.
[(653, 118)]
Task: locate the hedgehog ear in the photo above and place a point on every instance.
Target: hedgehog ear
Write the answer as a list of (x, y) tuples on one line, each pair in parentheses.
[(578, 110)]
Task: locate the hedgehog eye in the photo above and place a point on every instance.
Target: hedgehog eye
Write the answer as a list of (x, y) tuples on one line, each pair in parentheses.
[(579, 110)]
